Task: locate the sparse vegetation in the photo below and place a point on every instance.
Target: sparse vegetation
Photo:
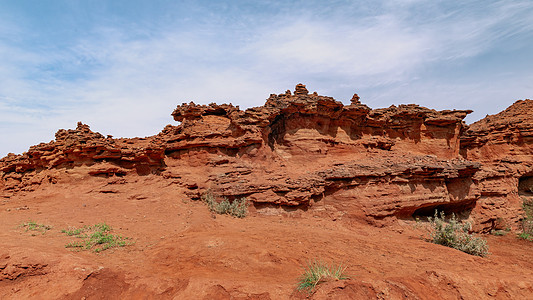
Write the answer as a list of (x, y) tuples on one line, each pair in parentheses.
[(527, 222), (499, 232), (33, 226), (455, 235), (237, 208), (316, 272), (527, 205), (96, 238), (525, 236)]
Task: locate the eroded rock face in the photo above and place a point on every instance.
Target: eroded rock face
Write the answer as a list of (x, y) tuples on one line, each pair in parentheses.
[(78, 147), (290, 122), (312, 152), (507, 135), (504, 144)]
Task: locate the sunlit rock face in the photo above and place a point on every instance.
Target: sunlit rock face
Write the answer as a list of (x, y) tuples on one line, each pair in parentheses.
[(311, 152), (503, 143)]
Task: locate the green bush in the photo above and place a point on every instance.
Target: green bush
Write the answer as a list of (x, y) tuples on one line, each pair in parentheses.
[(96, 238), (316, 272), (527, 205), (33, 226), (455, 235), (527, 229), (238, 208), (527, 222), (525, 236), (499, 232)]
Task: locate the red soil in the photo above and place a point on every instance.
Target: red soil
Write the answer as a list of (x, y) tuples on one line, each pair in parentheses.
[(328, 182), (182, 251)]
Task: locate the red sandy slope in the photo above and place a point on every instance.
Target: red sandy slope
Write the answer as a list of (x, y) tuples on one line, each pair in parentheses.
[(325, 181), (181, 251)]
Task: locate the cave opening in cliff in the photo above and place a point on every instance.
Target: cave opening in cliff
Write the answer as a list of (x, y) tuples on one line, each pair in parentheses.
[(525, 186), (460, 209), (277, 130)]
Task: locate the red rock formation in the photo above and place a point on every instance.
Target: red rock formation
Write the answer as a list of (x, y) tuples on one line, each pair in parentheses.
[(324, 166), (310, 151), (302, 148), (504, 144), (290, 122), (78, 147), (507, 135)]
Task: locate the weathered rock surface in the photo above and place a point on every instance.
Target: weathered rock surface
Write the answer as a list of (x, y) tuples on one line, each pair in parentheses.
[(316, 171), (506, 136), (504, 144), (79, 147), (301, 149), (288, 122)]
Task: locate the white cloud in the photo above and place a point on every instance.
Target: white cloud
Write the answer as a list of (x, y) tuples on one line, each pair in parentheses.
[(324, 47), (126, 81)]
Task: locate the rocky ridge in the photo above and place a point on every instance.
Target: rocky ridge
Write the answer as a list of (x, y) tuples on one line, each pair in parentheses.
[(312, 152), (503, 143)]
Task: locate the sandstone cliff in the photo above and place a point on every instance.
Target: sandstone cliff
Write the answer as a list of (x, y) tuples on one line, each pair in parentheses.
[(503, 143), (310, 152)]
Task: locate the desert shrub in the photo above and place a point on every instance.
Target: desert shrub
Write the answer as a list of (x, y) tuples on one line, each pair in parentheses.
[(527, 205), (96, 238), (455, 235), (525, 236), (527, 221), (33, 226), (316, 272), (499, 232), (238, 208)]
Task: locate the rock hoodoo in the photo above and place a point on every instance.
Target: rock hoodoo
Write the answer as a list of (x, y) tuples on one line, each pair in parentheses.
[(313, 152)]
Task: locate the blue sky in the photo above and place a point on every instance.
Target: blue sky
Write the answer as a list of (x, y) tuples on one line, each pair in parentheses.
[(123, 66)]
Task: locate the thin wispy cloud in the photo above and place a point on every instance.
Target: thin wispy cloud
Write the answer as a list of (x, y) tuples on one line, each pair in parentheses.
[(123, 76)]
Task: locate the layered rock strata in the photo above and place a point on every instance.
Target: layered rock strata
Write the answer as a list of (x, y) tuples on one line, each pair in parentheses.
[(503, 143), (79, 147), (311, 152)]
